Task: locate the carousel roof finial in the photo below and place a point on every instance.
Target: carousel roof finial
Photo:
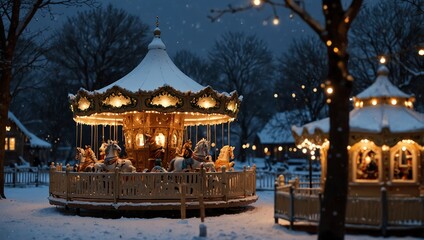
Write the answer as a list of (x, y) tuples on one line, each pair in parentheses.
[(157, 29)]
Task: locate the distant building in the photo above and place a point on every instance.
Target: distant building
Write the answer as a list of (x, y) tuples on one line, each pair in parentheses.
[(275, 140), (23, 147)]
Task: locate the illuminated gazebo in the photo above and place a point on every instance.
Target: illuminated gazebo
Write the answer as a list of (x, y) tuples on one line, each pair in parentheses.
[(385, 142), (154, 99)]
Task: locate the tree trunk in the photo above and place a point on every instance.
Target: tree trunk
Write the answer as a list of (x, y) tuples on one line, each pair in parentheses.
[(333, 208), (5, 98)]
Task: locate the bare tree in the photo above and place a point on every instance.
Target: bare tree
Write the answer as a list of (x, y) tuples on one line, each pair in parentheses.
[(302, 70), (15, 17), (195, 67), (334, 33), (394, 35), (245, 64), (99, 46)]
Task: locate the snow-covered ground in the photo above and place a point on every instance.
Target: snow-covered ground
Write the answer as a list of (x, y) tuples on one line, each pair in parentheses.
[(27, 214)]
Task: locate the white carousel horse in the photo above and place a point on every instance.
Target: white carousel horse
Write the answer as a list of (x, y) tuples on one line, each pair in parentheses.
[(200, 157), (87, 159), (112, 160), (225, 155)]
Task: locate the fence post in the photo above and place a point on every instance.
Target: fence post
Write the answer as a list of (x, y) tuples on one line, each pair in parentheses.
[(14, 176), (116, 187), (52, 182), (183, 188), (37, 177), (68, 181), (291, 206), (224, 183), (244, 180), (384, 211), (254, 178)]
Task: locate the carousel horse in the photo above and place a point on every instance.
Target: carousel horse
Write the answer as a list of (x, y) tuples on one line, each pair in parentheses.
[(199, 157), (112, 160), (87, 159), (225, 155)]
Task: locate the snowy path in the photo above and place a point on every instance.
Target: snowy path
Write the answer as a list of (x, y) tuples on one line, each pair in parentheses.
[(26, 214)]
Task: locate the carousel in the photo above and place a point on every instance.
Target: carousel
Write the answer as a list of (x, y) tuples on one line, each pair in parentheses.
[(386, 157), (147, 151)]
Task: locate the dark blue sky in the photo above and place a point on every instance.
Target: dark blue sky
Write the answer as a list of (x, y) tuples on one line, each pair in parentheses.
[(185, 25)]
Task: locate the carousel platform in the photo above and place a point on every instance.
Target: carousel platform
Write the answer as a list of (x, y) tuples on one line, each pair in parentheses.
[(152, 191)]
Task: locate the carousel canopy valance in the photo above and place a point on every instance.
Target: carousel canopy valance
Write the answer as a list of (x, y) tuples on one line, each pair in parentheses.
[(385, 120), (155, 85)]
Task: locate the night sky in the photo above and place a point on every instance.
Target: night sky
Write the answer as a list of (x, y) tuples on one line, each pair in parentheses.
[(185, 25)]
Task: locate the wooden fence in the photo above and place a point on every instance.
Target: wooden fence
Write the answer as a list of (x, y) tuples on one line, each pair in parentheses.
[(134, 188), (294, 203), (265, 180), (14, 177)]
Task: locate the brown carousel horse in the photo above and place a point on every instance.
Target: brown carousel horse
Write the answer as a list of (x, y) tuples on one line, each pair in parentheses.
[(113, 161), (225, 155), (86, 158)]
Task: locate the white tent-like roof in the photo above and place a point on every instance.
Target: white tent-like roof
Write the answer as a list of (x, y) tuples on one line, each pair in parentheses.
[(381, 107), (154, 71)]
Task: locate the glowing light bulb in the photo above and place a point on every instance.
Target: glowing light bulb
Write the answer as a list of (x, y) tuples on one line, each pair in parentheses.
[(276, 21), (256, 2), (374, 102), (394, 101), (275, 95), (421, 52), (383, 60), (329, 43), (330, 90)]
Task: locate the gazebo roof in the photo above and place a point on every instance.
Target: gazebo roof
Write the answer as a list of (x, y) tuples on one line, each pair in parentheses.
[(372, 121), (155, 85), (382, 87)]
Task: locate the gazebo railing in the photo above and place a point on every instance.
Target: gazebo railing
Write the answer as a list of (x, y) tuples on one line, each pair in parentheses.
[(25, 176), (293, 203)]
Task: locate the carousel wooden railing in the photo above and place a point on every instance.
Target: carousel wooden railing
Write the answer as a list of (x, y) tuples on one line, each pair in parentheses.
[(150, 187), (293, 203)]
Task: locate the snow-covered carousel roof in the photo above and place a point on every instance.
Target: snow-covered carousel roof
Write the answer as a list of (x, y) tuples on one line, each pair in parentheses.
[(382, 113), (155, 85)]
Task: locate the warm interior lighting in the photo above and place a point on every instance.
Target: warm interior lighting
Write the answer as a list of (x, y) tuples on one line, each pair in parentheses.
[(280, 148), (8, 128), (206, 102), (83, 104), (266, 150), (160, 139), (165, 100), (254, 147), (374, 102), (139, 139)]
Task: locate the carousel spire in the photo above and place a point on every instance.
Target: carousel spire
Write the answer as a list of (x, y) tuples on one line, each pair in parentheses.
[(156, 33)]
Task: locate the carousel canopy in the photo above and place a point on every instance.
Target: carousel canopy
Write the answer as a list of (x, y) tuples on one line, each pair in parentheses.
[(155, 85), (381, 109)]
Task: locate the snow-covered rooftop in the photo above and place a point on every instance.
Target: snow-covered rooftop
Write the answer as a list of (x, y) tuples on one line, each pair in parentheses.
[(277, 130), (156, 70), (396, 118), (382, 87), (33, 140)]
